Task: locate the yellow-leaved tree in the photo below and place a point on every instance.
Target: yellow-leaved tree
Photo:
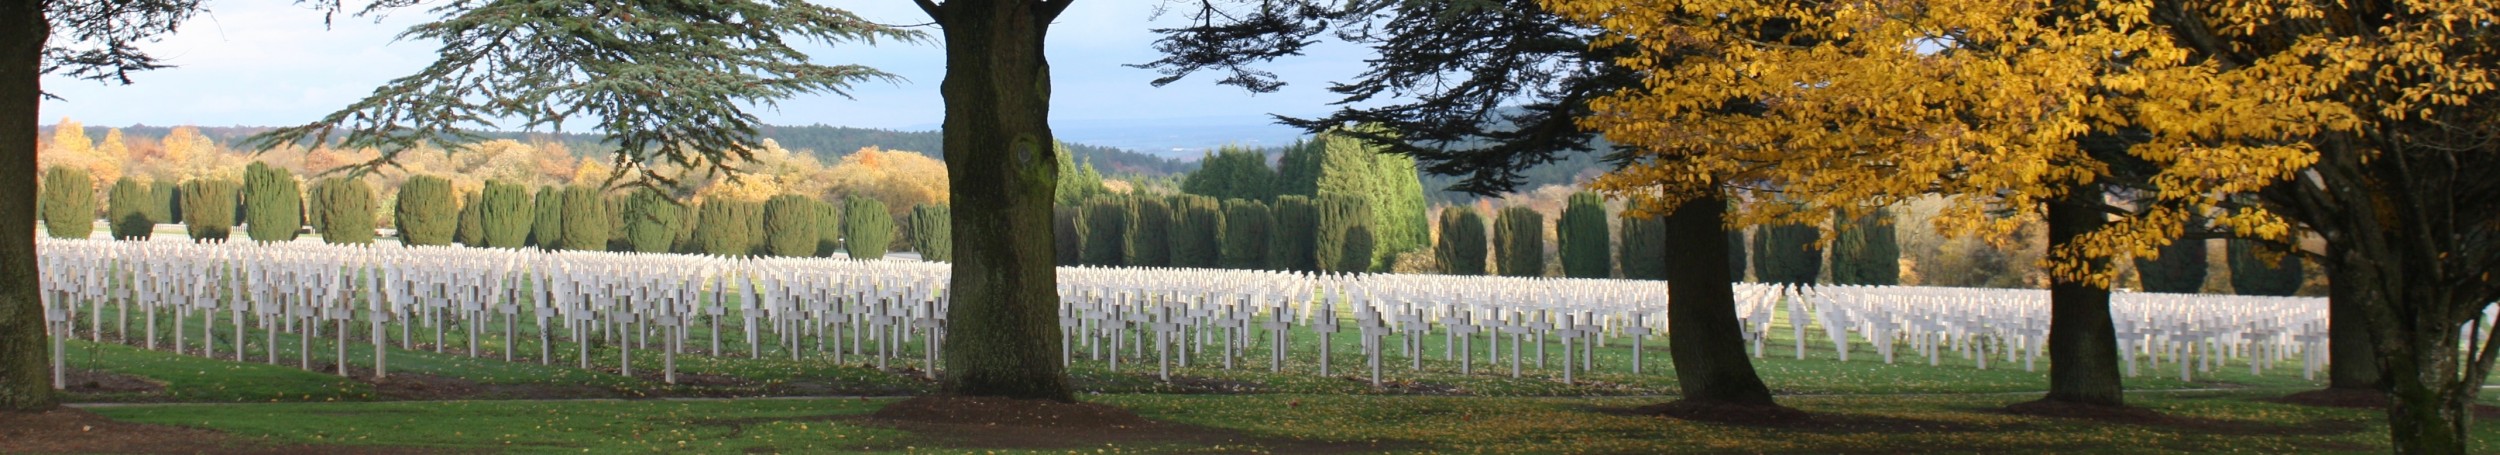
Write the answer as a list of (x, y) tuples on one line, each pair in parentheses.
[(2057, 108)]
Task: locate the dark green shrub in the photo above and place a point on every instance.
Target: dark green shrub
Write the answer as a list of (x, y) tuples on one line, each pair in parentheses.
[(1293, 238), (585, 220), (127, 212), (1644, 248), (1246, 225), (272, 205), (1106, 231), (725, 227), (167, 207), (651, 220), (2180, 270), (1461, 247), (933, 232), (1339, 217), (1866, 252), (68, 203), (828, 228), (1736, 255), (1358, 250), (471, 230), (1067, 230), (426, 213), (1232, 173), (1581, 232), (790, 226), (1197, 231), (208, 208), (2253, 274), (547, 218), (346, 210), (1786, 253), (505, 212), (1149, 232), (867, 229), (1519, 242)]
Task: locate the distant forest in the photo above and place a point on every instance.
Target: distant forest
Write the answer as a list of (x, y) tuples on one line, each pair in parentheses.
[(827, 143)]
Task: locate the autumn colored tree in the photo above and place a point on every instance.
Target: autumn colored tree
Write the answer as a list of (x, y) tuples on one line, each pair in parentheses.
[(1584, 244), (1461, 247), (68, 203)]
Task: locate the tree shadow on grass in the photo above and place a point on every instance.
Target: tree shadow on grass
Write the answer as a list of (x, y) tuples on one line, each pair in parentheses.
[(992, 423)]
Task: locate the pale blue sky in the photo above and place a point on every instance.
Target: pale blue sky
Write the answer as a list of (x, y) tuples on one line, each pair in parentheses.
[(273, 63)]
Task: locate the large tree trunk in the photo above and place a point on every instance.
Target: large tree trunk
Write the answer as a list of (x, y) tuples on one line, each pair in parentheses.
[(2352, 353), (25, 365), (2083, 345), (1702, 333), (1003, 335)]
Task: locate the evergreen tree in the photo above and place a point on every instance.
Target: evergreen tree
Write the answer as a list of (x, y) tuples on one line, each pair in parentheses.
[(1232, 172), (127, 212), (547, 218), (1106, 231), (505, 214), (615, 204), (1340, 218), (1866, 252), (1149, 233), (1077, 182), (1519, 242), (828, 228), (1581, 231), (651, 221), (167, 205), (585, 220), (346, 210), (1292, 241), (1461, 247), (68, 203), (2181, 269), (1786, 254), (1644, 248), (426, 212), (1736, 255), (272, 205), (933, 232), (313, 210), (867, 229), (1067, 229), (1246, 226), (1197, 231), (723, 227), (208, 208), (790, 226), (469, 230), (2255, 272), (1338, 162)]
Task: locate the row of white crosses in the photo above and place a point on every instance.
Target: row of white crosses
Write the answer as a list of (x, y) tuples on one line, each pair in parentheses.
[(835, 310)]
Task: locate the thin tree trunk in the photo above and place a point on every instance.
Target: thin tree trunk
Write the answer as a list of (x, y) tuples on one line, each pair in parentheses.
[(2083, 344), (25, 364), (1004, 336), (1702, 332)]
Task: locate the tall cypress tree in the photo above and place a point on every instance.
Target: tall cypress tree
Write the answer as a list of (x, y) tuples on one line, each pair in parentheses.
[(1644, 248), (1519, 242), (1340, 217), (867, 229), (790, 226), (2181, 269), (1292, 243), (547, 218), (723, 227), (273, 207), (127, 211), (506, 214), (585, 220), (208, 208), (1231, 172), (1736, 255), (1866, 253), (469, 230), (1246, 226), (346, 210), (1461, 247), (1106, 231), (426, 213), (1581, 230), (933, 232), (1149, 232), (1067, 230), (651, 221), (1786, 254), (68, 203), (2252, 274), (828, 229), (167, 207), (1197, 231)]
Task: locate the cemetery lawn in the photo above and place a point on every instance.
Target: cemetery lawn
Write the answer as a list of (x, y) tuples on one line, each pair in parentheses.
[(1290, 423)]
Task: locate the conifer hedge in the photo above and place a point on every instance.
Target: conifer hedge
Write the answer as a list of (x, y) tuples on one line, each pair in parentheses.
[(1197, 232), (273, 207), (1786, 253), (68, 203), (1584, 243), (1106, 231), (1460, 250), (506, 214), (1067, 230), (1246, 225), (2181, 269), (867, 229), (1292, 240), (1340, 217), (933, 232), (126, 210), (547, 218), (1644, 248), (585, 220), (1149, 233), (1519, 242), (651, 221), (208, 208), (2251, 274), (790, 226), (426, 213), (346, 210)]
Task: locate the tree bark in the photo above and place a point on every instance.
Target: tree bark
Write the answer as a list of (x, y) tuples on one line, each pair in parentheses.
[(1003, 335), (25, 362), (2352, 353), (2083, 344), (1702, 332)]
